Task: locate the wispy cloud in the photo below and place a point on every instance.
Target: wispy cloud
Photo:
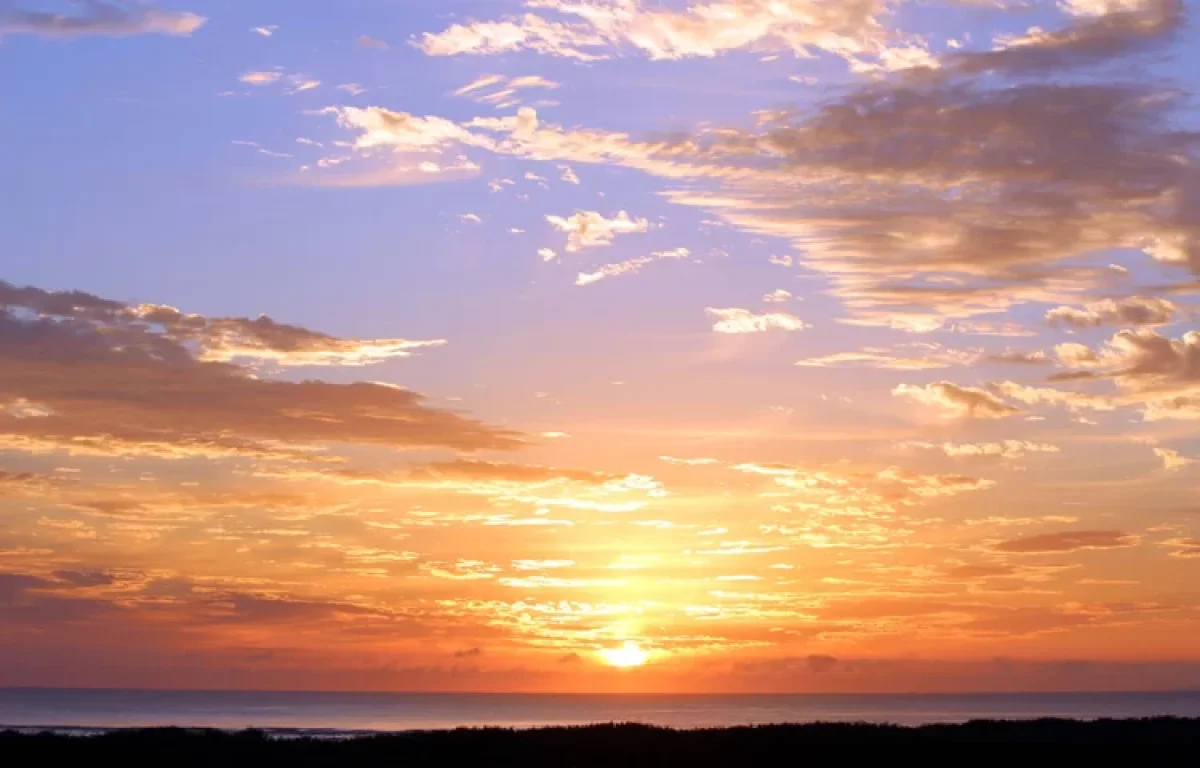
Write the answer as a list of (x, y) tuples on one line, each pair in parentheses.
[(99, 17)]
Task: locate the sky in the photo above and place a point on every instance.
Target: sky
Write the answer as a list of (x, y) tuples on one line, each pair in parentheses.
[(600, 345)]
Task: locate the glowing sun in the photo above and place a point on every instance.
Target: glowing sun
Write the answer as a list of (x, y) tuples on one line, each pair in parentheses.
[(630, 654)]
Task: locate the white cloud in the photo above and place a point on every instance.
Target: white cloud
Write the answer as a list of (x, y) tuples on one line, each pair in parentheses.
[(481, 82), (629, 266), (704, 29), (957, 402), (1004, 449), (526, 32), (735, 321), (589, 229)]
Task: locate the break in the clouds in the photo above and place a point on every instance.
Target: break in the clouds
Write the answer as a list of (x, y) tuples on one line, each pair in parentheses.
[(96, 17)]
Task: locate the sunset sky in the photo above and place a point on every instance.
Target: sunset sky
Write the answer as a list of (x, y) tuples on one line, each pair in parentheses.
[(600, 345)]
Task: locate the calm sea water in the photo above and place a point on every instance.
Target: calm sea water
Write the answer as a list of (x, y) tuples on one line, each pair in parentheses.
[(402, 711)]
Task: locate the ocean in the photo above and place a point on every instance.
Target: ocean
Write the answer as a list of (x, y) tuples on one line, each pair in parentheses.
[(66, 709)]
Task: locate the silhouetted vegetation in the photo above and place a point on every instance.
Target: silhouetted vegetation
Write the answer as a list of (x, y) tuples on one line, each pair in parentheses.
[(623, 746)]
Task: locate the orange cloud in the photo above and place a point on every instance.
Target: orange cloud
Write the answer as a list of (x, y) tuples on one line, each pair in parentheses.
[(1068, 541)]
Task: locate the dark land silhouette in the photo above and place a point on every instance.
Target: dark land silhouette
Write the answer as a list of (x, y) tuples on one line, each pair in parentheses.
[(619, 745)]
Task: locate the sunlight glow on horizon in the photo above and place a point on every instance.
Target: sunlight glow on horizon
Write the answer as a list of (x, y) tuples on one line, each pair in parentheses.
[(629, 654)]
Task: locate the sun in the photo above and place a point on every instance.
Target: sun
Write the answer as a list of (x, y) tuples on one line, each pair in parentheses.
[(630, 654)]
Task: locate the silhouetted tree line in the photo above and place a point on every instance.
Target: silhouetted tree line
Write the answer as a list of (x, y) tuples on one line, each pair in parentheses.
[(615, 745)]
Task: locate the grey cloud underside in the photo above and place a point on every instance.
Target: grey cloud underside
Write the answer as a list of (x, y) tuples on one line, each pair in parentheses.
[(1084, 41), (96, 17), (101, 371)]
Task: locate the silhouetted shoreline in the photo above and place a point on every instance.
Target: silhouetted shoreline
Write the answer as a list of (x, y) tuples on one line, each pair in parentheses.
[(623, 745)]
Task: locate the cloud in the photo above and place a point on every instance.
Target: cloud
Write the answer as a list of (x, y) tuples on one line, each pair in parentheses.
[(956, 401), (704, 29), (399, 130), (630, 266), (1097, 33), (1153, 372), (116, 375), (301, 83), (1018, 357), (469, 653), (296, 83), (261, 149), (689, 462), (819, 664), (1143, 360), (97, 17), (526, 32), (1172, 460), (1184, 547), (24, 408), (900, 253), (501, 91), (858, 493), (734, 320), (260, 78), (1068, 541), (479, 83), (541, 565), (266, 31), (366, 41), (777, 296), (486, 471), (1134, 310), (1005, 449), (1042, 172), (908, 357), (25, 484), (589, 229), (227, 339)]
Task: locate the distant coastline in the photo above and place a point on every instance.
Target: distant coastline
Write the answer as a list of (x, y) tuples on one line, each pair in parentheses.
[(624, 745)]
